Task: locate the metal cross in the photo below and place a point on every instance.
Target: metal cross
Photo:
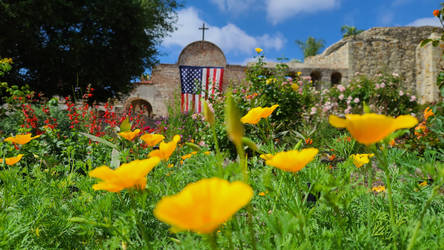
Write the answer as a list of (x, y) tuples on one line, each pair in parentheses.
[(203, 28)]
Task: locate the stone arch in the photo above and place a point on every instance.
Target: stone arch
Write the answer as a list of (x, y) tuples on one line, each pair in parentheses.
[(316, 76), (202, 53), (138, 105), (335, 78)]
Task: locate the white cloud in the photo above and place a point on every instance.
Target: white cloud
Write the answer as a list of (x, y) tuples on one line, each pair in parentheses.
[(236, 6), (229, 37), (279, 10), (432, 21)]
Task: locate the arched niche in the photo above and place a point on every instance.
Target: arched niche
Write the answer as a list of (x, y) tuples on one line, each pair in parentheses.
[(140, 106), (335, 78)]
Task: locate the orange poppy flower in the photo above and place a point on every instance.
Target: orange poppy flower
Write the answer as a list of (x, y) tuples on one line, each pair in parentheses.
[(370, 128), (21, 139), (204, 205), (130, 135), (12, 160), (152, 139), (128, 175), (165, 149), (292, 161)]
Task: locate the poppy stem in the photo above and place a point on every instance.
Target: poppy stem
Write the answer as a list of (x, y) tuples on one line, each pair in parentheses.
[(216, 143), (382, 158), (421, 217), (212, 238)]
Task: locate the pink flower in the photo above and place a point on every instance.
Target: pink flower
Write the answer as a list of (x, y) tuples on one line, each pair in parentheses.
[(234, 91), (340, 88), (401, 93), (377, 86), (341, 97), (382, 85), (412, 98), (202, 143), (194, 116), (313, 111), (349, 98), (356, 100), (348, 110)]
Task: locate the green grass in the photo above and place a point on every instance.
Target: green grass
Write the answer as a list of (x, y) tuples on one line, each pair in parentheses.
[(54, 207)]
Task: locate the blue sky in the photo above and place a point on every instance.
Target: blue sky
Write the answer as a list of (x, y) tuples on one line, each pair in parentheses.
[(239, 26)]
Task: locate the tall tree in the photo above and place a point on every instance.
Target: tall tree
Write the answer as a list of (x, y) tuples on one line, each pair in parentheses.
[(311, 46), (57, 45), (350, 31)]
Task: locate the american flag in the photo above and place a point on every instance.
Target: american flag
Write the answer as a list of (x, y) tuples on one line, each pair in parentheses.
[(197, 83)]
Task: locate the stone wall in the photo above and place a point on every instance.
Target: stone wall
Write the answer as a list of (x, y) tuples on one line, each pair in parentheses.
[(429, 63), (388, 50), (336, 55)]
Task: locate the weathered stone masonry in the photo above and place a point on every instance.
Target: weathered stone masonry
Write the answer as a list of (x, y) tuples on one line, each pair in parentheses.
[(376, 50)]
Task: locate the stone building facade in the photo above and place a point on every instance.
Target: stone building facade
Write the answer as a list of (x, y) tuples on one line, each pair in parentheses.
[(376, 50)]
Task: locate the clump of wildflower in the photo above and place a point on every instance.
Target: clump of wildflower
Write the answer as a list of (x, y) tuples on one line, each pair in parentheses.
[(361, 159)]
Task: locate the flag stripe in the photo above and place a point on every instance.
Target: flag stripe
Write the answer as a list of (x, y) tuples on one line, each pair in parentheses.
[(199, 83)]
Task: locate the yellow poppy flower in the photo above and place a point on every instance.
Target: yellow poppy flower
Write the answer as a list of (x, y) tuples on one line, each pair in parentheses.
[(128, 175), (378, 189), (266, 156), (184, 157), (204, 205), (361, 159), (256, 114), (423, 184), (12, 160), (370, 128), (292, 161), (152, 139), (165, 149), (130, 135), (295, 87), (258, 50), (207, 152), (21, 139)]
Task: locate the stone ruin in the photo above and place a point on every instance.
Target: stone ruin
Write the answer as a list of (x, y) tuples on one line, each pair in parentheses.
[(394, 50)]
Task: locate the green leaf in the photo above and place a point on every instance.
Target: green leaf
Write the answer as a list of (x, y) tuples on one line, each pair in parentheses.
[(298, 145), (125, 125), (366, 108), (250, 143), (115, 159), (101, 140), (194, 146), (424, 42)]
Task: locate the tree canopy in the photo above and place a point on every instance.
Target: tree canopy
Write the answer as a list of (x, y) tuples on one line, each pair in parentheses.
[(311, 46), (57, 45), (350, 31)]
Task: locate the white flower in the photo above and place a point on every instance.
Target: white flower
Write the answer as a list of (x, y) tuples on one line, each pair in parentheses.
[(412, 98), (401, 93)]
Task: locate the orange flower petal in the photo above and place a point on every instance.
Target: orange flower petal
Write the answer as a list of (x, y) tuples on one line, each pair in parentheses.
[(204, 205), (292, 161)]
